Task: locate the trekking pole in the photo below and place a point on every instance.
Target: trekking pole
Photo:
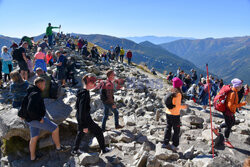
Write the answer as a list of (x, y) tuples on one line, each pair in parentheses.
[(210, 111)]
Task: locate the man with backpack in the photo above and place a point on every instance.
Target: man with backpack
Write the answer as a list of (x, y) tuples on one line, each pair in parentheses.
[(228, 108), (33, 112), (107, 97), (19, 55)]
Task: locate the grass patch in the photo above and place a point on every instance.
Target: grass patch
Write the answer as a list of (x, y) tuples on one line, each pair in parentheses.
[(13, 145)]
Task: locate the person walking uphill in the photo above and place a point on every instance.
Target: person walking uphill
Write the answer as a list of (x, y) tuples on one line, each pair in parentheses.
[(49, 33), (33, 112), (129, 56), (107, 97), (173, 117), (84, 120), (231, 106)]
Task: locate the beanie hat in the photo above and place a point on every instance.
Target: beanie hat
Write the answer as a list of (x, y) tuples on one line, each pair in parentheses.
[(236, 82), (177, 82)]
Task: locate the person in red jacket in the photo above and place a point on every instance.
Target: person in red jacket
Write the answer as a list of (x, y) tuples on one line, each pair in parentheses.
[(129, 56)]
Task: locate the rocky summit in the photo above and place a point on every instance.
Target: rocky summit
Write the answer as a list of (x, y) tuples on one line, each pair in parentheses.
[(138, 144)]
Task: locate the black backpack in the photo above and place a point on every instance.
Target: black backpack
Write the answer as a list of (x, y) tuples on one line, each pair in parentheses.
[(55, 89), (168, 100), (16, 54), (23, 111), (103, 92)]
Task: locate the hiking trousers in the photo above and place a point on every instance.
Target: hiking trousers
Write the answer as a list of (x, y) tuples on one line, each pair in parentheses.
[(228, 124), (173, 122), (94, 129)]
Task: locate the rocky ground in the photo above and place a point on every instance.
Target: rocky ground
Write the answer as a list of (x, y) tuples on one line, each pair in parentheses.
[(138, 144)]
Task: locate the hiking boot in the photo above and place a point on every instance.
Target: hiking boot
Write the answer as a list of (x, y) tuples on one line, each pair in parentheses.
[(228, 143), (175, 149), (118, 127), (76, 152), (167, 146), (64, 148), (106, 150)]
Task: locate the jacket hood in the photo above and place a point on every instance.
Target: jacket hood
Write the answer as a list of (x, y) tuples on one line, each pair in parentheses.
[(81, 91), (33, 88)]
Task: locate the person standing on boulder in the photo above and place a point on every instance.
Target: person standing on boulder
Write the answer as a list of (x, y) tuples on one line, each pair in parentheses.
[(22, 60), (61, 67), (33, 112), (107, 97), (49, 33), (129, 56), (173, 117), (232, 104), (84, 120)]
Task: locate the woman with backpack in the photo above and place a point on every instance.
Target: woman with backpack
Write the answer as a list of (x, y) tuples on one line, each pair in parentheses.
[(173, 117), (85, 122), (232, 104)]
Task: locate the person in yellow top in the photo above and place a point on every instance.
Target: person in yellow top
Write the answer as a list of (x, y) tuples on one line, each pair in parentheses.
[(231, 106), (122, 53), (173, 117)]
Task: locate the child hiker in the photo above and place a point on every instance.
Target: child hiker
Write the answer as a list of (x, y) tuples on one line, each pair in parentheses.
[(85, 122)]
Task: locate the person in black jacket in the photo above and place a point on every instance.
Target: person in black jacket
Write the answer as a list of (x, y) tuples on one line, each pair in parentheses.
[(35, 117), (85, 122)]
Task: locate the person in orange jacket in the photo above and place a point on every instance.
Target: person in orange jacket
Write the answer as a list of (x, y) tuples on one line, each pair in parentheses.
[(173, 117), (231, 105)]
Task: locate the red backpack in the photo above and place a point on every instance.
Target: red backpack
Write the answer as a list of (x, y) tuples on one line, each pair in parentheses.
[(221, 97)]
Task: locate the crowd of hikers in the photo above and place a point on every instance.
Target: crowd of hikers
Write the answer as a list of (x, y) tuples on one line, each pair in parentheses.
[(28, 97)]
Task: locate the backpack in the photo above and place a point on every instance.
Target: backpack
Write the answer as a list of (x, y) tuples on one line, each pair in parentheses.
[(103, 92), (221, 97), (23, 111), (16, 54), (55, 89), (168, 100)]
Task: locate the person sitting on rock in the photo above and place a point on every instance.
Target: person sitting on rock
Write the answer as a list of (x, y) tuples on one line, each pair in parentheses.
[(84, 120), (36, 119), (170, 76), (173, 117), (42, 74), (232, 104), (191, 93), (107, 97), (153, 71), (71, 70), (18, 88)]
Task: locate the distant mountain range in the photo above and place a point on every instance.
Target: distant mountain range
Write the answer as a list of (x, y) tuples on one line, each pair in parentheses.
[(227, 57), (155, 39), (7, 41)]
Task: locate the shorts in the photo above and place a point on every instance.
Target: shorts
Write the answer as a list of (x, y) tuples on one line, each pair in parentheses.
[(61, 74), (23, 66), (36, 126), (204, 100)]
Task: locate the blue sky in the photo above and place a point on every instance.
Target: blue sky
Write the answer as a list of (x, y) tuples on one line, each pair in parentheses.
[(121, 18)]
